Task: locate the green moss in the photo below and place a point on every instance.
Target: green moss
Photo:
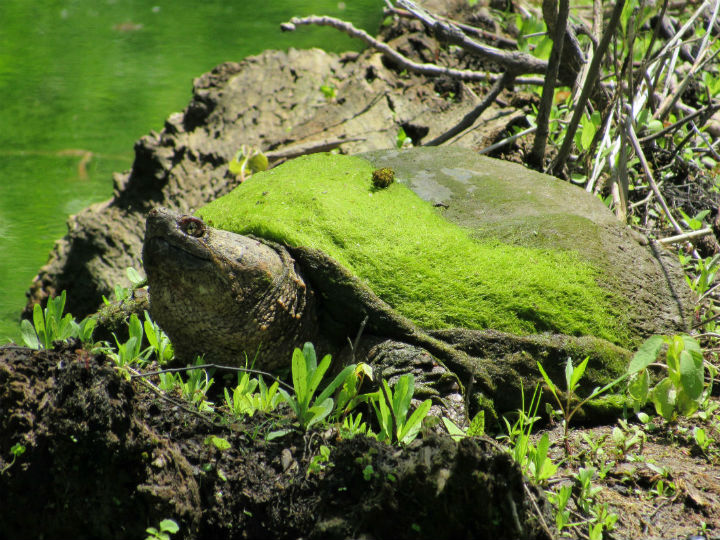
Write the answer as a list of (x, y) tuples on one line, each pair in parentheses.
[(429, 269)]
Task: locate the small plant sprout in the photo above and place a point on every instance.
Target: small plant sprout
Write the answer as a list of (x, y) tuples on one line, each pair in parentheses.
[(220, 443), (164, 530), (329, 90), (402, 140), (49, 325), (306, 376), (319, 461), (16, 450), (533, 460), (683, 389), (131, 352), (573, 375), (353, 426), (247, 162), (392, 407), (244, 400), (159, 341), (125, 293)]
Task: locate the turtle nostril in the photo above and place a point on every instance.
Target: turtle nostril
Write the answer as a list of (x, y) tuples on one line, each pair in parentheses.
[(192, 226)]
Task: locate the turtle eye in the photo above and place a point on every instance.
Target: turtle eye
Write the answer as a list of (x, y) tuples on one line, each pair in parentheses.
[(192, 226)]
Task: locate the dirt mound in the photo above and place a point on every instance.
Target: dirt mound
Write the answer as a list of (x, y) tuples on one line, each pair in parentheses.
[(107, 457)]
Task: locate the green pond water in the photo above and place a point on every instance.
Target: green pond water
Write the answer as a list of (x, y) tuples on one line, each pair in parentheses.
[(81, 80)]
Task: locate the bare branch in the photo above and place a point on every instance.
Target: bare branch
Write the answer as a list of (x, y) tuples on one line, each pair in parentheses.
[(517, 62), (707, 231), (469, 119), (588, 87), (537, 155), (648, 174)]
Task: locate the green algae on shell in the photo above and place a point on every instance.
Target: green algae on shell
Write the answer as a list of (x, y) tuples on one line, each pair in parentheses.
[(434, 272)]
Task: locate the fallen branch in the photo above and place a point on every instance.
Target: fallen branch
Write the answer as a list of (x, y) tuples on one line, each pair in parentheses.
[(469, 119), (516, 62), (707, 231)]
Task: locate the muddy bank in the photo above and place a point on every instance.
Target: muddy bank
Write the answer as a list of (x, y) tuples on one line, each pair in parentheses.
[(107, 457)]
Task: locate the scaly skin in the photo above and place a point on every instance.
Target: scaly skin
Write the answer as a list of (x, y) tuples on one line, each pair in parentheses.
[(224, 295)]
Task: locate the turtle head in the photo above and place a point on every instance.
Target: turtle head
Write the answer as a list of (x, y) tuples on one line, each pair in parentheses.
[(222, 294)]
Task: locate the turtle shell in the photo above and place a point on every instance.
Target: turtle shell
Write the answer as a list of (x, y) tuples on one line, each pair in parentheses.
[(464, 241)]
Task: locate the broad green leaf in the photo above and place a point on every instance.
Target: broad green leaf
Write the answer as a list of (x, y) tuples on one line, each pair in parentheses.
[(639, 388), (453, 429), (168, 525), (691, 375), (587, 134), (39, 323), (684, 404), (477, 425), (316, 377), (663, 397), (310, 356), (135, 329), (258, 162), (133, 275), (403, 393), (646, 354)]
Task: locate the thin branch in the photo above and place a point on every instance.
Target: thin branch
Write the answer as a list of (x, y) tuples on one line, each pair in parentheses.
[(469, 119), (537, 154), (589, 87), (518, 63), (471, 30), (648, 174), (506, 140), (707, 231)]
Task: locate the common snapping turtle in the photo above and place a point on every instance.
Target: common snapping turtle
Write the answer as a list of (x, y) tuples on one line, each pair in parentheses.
[(500, 270)]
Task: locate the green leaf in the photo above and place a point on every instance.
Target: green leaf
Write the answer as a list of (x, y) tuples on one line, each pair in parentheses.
[(663, 397), (684, 404), (577, 374), (453, 429), (39, 323), (300, 375), (310, 356), (639, 388), (218, 442), (646, 354), (587, 134), (691, 375), (235, 167), (402, 395), (337, 381), (477, 425), (412, 427), (319, 412), (316, 376), (28, 334)]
